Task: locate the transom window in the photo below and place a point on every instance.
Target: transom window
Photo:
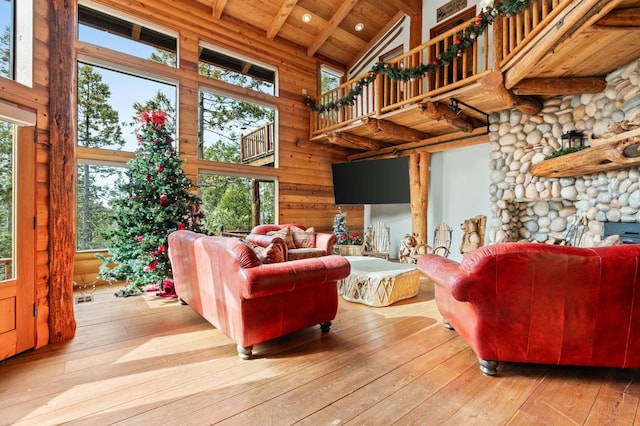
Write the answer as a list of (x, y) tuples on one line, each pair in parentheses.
[(236, 70), (106, 30)]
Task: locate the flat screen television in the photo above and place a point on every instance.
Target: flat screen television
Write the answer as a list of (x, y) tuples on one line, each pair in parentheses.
[(382, 181)]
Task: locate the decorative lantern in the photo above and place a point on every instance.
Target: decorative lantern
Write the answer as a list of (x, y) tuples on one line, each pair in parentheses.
[(572, 139)]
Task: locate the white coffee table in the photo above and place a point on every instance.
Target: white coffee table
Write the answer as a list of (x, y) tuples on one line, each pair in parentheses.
[(379, 282)]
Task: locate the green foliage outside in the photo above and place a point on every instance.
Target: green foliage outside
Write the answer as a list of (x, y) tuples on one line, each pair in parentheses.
[(159, 200)]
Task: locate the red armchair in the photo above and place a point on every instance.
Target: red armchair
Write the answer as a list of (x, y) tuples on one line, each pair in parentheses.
[(224, 281), (321, 245), (541, 303)]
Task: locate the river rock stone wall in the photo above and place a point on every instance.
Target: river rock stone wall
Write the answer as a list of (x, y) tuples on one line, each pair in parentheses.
[(526, 207)]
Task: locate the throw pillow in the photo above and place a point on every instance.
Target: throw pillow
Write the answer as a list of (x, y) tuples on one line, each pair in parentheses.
[(611, 240), (269, 254), (304, 239), (272, 254), (285, 234)]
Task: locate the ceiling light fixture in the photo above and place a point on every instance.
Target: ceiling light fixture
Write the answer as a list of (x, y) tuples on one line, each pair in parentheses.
[(359, 26), (306, 17)]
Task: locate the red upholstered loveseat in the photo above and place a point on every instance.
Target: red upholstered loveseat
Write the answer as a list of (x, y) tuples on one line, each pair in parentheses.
[(322, 244), (540, 303), (224, 281)]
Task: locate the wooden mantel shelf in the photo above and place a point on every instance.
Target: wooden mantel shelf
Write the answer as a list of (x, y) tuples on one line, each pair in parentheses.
[(617, 152)]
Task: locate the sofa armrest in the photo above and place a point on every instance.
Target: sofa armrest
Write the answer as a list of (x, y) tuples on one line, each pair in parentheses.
[(326, 241), (446, 273), (275, 278)]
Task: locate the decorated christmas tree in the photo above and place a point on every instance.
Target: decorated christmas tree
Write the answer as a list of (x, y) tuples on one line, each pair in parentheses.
[(159, 200), (340, 226)]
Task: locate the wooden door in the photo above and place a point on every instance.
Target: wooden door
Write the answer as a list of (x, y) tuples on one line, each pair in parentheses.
[(17, 228)]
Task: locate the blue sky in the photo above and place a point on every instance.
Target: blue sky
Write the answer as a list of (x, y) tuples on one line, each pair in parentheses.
[(126, 89)]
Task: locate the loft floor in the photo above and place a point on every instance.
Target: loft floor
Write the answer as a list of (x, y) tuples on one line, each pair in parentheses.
[(148, 360)]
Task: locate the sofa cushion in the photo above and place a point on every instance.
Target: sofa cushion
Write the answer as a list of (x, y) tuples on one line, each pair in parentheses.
[(270, 254), (304, 239), (285, 234)]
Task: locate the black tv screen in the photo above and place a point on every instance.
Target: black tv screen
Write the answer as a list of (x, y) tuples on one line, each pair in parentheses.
[(384, 181)]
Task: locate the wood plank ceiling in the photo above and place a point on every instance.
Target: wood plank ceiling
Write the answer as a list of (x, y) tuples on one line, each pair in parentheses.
[(330, 33)]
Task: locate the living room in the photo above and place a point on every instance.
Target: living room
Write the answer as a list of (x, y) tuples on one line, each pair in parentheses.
[(487, 170)]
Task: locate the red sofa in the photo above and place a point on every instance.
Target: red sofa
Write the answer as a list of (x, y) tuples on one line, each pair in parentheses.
[(540, 303), (224, 281), (322, 244)]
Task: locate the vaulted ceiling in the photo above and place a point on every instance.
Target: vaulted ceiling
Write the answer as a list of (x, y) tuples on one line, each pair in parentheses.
[(339, 30)]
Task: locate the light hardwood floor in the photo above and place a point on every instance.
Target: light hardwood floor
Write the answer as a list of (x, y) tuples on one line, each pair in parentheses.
[(151, 361)]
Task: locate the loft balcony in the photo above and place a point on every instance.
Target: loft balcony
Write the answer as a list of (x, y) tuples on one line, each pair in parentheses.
[(257, 147), (552, 48)]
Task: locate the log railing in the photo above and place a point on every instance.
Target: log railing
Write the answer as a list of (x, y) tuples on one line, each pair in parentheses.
[(387, 94), (509, 35), (257, 144), (514, 32)]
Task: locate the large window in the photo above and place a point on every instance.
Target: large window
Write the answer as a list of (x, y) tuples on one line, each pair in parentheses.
[(110, 97), (109, 101), (6, 38), (232, 203), (98, 186), (236, 131)]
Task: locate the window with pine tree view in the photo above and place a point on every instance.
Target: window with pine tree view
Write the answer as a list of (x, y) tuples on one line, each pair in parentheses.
[(236, 204), (234, 130), (108, 102), (98, 187), (7, 132), (6, 38)]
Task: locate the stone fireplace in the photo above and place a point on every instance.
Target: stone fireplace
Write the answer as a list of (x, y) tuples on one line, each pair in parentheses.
[(527, 207)]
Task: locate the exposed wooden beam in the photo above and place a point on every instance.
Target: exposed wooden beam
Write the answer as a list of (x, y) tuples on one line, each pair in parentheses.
[(355, 141), (601, 157), (281, 17), (621, 18), (333, 23), (440, 112), (434, 144), (391, 130), (559, 86), (494, 82), (62, 172), (409, 7), (217, 6)]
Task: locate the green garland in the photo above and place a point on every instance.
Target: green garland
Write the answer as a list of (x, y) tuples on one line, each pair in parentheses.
[(468, 38)]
